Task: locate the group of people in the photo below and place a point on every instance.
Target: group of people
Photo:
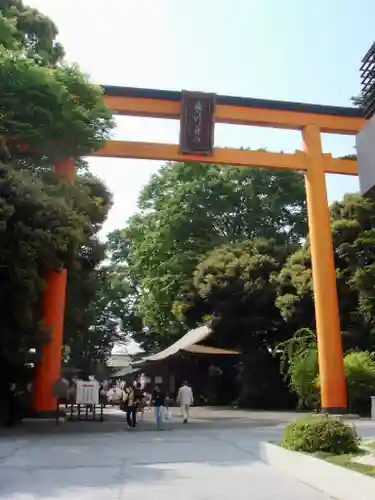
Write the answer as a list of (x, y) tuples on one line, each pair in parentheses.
[(134, 400)]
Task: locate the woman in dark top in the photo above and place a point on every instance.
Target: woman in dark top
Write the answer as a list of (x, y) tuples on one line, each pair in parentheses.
[(13, 407), (130, 408), (158, 400), (133, 401)]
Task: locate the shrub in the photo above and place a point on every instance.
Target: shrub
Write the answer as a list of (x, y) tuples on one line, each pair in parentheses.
[(299, 363), (321, 433), (360, 380)]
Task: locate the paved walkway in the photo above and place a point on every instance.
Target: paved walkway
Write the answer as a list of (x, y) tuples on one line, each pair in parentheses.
[(190, 462)]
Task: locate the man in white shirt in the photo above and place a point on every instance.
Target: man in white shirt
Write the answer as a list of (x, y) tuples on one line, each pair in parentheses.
[(185, 399)]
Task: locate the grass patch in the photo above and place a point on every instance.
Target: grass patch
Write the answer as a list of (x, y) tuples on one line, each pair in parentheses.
[(346, 460)]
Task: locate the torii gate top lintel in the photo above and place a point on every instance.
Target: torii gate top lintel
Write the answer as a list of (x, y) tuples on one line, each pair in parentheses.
[(165, 104), (155, 103)]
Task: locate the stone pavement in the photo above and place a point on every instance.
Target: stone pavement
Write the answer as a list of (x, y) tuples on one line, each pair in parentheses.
[(193, 462)]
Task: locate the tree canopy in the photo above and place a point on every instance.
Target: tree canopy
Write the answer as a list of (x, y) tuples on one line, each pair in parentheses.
[(233, 284), (187, 210), (49, 111), (352, 221)]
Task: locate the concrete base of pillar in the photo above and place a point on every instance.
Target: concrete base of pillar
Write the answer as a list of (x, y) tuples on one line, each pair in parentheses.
[(340, 412), (46, 415), (335, 411)]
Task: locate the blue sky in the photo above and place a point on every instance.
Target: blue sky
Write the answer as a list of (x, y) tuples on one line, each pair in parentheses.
[(307, 51)]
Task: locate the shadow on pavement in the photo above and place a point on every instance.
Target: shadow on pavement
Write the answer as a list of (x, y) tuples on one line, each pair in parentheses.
[(100, 466), (93, 460), (114, 421)]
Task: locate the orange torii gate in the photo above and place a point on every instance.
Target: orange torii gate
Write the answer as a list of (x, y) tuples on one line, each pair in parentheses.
[(311, 120)]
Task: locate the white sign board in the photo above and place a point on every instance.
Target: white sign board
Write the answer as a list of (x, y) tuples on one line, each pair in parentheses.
[(87, 393), (365, 144)]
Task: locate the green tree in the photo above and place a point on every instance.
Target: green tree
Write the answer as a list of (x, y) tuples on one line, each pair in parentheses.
[(90, 327), (29, 30), (353, 230), (360, 379), (233, 285), (40, 229), (126, 291), (49, 111), (187, 210), (299, 363), (91, 342), (295, 288)]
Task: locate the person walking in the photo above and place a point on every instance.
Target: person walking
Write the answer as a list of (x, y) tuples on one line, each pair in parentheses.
[(142, 405), (185, 399), (168, 413), (137, 399), (158, 400), (131, 409), (13, 407)]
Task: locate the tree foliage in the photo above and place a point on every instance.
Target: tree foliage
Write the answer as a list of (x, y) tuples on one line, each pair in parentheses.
[(233, 284), (49, 111), (360, 379), (93, 326), (58, 113), (29, 30), (187, 210), (37, 234), (204, 245), (353, 232), (299, 363), (126, 290)]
